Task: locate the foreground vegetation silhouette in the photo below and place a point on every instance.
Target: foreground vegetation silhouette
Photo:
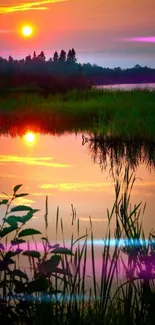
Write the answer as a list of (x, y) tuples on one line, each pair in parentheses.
[(56, 291)]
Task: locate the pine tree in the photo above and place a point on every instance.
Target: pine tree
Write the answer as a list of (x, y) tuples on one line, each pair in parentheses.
[(41, 56), (34, 55), (71, 56), (62, 57), (10, 59), (28, 59), (55, 57)]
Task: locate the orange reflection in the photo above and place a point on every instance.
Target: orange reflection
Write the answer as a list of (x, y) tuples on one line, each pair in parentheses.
[(30, 138)]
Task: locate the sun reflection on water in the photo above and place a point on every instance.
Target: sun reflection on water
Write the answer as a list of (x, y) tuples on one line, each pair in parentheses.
[(30, 138)]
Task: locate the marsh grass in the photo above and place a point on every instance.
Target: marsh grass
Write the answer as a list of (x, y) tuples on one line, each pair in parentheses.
[(127, 114), (108, 151), (58, 291)]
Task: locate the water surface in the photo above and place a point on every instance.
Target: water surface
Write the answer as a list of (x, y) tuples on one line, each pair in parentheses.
[(64, 169), (150, 86)]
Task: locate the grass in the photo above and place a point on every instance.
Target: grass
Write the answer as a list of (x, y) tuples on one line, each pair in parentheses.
[(120, 113), (111, 151), (57, 291)]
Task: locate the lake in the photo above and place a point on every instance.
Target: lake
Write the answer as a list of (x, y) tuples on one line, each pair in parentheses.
[(63, 168), (72, 170), (150, 86)]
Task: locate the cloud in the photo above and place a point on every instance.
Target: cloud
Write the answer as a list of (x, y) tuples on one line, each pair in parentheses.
[(43, 194), (93, 219), (77, 187), (11, 176), (20, 200), (139, 39), (38, 5), (39, 161)]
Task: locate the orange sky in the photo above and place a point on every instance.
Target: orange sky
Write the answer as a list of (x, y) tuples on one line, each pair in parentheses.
[(93, 27)]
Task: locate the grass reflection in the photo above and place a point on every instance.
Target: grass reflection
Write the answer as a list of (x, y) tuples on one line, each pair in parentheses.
[(108, 151)]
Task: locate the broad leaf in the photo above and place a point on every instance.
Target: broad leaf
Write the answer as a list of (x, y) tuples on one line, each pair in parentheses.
[(53, 246), (20, 208), (20, 195), (11, 221), (32, 254), (29, 216), (62, 250), (7, 230), (29, 232), (17, 187), (44, 238), (17, 241), (19, 273), (50, 265), (4, 202), (11, 253)]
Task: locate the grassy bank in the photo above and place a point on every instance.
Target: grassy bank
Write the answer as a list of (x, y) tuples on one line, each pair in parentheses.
[(120, 113), (57, 292)]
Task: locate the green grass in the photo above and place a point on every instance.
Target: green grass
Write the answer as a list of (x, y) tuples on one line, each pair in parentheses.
[(62, 270), (120, 113)]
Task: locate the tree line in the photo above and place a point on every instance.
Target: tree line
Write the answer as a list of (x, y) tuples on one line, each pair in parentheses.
[(63, 72)]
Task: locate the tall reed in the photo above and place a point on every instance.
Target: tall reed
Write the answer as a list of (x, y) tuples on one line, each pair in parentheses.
[(58, 292)]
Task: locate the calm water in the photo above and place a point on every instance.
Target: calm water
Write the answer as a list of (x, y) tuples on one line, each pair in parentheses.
[(72, 172), (64, 169), (149, 86)]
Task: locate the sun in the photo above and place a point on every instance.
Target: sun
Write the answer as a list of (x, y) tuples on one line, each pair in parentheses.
[(30, 138), (27, 31)]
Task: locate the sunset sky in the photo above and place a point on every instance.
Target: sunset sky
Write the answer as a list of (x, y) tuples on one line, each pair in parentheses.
[(101, 31)]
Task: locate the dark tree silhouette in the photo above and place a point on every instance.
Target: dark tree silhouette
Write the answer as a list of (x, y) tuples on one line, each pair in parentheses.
[(34, 56), (62, 57), (73, 55), (41, 56), (63, 72), (55, 57), (28, 59), (10, 59)]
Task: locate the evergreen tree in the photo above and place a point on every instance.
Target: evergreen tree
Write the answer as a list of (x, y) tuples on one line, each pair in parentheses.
[(34, 56), (28, 59), (62, 57), (10, 59), (41, 56), (71, 56), (55, 57)]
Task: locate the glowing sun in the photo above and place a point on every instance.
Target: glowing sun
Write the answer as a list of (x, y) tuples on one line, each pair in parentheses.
[(27, 31), (30, 138)]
